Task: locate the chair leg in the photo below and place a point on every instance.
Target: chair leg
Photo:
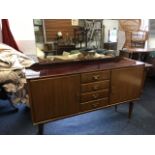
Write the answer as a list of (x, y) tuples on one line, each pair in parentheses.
[(40, 129)]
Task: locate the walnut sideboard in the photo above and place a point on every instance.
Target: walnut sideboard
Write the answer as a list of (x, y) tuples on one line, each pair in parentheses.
[(68, 89)]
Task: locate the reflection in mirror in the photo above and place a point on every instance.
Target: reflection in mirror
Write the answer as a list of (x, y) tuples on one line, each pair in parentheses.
[(75, 39)]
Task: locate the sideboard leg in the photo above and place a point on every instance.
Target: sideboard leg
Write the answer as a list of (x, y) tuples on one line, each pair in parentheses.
[(40, 129), (131, 104), (116, 108)]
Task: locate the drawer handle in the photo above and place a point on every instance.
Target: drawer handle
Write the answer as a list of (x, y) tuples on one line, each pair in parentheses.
[(95, 87), (95, 96), (95, 105), (96, 77)]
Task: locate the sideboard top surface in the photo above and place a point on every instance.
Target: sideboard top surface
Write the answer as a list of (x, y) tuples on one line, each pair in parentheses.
[(47, 70)]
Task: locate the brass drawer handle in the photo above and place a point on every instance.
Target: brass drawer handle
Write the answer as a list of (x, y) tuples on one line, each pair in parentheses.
[(95, 87), (95, 96), (96, 77), (95, 105)]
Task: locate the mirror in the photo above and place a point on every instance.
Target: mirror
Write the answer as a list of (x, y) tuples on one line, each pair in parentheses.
[(60, 40)]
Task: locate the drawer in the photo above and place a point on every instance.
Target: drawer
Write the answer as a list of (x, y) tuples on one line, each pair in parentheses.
[(95, 86), (94, 95), (95, 76), (94, 104)]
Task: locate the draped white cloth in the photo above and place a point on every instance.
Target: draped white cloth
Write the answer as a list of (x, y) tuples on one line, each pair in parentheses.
[(12, 75)]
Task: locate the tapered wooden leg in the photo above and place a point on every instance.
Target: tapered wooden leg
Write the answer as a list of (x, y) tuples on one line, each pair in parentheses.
[(131, 104), (116, 108), (40, 129)]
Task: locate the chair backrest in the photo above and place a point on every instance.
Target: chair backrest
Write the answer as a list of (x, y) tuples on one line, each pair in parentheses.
[(129, 24), (138, 39), (134, 37)]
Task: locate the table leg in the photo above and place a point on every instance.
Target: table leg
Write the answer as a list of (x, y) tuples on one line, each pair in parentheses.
[(40, 129), (131, 104)]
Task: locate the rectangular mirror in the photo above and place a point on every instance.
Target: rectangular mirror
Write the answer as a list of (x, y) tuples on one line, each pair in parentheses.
[(59, 40)]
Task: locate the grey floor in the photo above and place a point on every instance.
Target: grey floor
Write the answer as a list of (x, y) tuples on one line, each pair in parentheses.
[(101, 122)]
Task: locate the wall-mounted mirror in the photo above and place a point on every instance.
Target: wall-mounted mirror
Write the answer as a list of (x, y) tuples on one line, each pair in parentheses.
[(75, 39)]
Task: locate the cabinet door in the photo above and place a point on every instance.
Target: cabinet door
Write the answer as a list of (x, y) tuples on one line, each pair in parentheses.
[(54, 97), (126, 84)]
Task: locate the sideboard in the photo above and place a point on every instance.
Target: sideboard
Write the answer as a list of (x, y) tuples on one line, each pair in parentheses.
[(68, 89)]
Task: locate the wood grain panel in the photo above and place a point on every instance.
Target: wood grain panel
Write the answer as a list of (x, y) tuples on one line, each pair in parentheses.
[(55, 97), (126, 84), (52, 26)]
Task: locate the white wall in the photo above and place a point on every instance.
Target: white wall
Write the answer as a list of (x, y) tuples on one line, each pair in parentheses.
[(151, 43), (109, 25), (23, 32)]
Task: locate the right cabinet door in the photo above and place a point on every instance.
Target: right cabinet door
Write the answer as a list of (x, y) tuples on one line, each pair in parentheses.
[(126, 84)]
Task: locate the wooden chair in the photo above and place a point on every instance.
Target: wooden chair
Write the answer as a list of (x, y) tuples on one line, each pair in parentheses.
[(133, 36)]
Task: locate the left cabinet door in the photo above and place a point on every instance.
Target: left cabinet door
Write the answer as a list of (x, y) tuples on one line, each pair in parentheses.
[(51, 98)]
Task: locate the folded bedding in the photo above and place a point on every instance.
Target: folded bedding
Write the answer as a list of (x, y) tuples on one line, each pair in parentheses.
[(12, 75), (12, 59)]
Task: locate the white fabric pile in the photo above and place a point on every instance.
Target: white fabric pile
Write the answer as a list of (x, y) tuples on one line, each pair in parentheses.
[(12, 65), (11, 59)]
